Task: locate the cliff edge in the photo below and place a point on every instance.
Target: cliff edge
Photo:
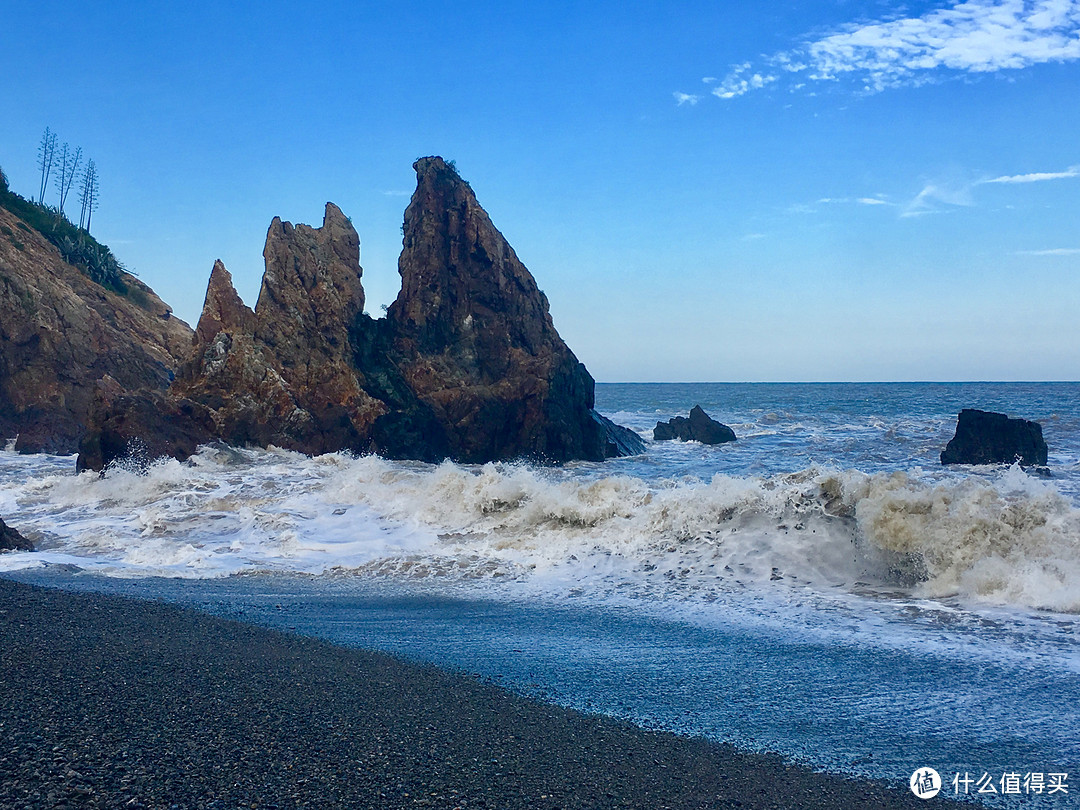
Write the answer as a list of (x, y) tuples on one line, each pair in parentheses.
[(62, 334)]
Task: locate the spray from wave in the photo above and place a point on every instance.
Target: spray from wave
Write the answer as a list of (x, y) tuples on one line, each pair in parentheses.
[(1009, 540)]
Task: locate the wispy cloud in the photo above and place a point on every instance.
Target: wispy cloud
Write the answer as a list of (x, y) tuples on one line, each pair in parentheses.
[(937, 198), (810, 209), (1036, 177), (686, 98), (1051, 252), (940, 196), (397, 193), (978, 36)]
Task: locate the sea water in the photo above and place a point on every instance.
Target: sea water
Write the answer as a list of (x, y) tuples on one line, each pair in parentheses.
[(822, 588)]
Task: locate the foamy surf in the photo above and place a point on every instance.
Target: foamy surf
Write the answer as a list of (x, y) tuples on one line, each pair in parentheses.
[(1003, 538)]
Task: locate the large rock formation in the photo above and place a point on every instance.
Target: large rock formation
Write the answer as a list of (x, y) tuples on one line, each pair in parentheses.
[(983, 437), (285, 374), (61, 333), (466, 365), (11, 540), (699, 427), (473, 337)]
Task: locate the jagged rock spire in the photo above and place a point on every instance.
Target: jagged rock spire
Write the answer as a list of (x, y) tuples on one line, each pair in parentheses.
[(222, 308), (474, 336), (311, 291)]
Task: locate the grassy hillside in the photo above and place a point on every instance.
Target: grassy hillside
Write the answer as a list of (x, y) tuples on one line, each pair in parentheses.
[(77, 246)]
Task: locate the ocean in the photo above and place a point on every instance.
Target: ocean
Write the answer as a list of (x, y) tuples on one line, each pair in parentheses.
[(822, 588)]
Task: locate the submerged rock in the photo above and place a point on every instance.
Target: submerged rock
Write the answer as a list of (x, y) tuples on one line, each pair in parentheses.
[(984, 437), (698, 427), (466, 365), (621, 441), (11, 540)]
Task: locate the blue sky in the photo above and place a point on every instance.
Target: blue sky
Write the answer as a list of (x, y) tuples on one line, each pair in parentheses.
[(811, 190)]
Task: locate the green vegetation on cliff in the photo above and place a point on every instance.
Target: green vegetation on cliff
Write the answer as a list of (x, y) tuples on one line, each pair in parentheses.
[(76, 246)]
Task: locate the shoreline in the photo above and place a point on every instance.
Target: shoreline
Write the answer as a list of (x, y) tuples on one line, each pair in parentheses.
[(117, 702)]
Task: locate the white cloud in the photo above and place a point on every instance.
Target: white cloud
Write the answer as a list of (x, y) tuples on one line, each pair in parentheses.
[(872, 201), (937, 198), (977, 36), (1036, 177), (686, 98), (1051, 252), (742, 80)]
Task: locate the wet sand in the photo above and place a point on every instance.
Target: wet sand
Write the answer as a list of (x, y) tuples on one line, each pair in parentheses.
[(113, 702)]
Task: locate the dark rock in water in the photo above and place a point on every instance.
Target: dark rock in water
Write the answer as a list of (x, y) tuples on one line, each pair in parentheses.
[(11, 540), (142, 426), (983, 437), (621, 441), (699, 427), (466, 365)]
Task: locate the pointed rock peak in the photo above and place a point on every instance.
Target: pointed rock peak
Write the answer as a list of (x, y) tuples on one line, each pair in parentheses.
[(219, 276), (333, 215), (458, 273), (223, 310), (438, 178)]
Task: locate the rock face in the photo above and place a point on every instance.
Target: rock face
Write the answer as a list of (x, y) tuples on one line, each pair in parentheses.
[(983, 437), (473, 337), (61, 333), (466, 365), (142, 426), (11, 540), (699, 427), (284, 374)]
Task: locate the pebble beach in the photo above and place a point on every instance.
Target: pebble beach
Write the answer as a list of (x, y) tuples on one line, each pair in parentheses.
[(116, 702)]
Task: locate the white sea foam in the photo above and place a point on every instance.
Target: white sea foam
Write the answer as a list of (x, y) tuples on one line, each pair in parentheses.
[(1005, 540)]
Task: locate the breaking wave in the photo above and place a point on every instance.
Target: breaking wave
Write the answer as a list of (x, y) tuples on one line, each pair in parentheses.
[(1006, 539)]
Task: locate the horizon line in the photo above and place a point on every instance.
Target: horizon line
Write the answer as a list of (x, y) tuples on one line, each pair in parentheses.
[(837, 382)]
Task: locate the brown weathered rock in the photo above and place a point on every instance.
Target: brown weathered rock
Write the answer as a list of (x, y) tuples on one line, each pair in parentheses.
[(466, 365), (223, 309), (140, 427), (284, 374), (60, 333), (473, 337)]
